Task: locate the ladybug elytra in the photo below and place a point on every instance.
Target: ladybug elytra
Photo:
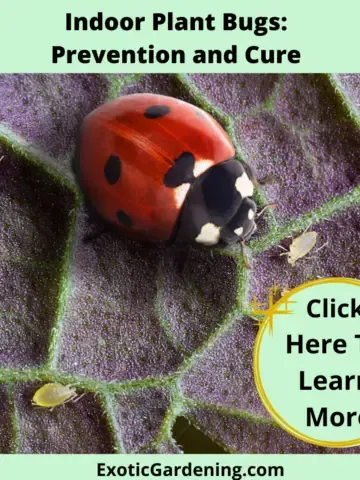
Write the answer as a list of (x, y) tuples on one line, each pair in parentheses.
[(161, 169)]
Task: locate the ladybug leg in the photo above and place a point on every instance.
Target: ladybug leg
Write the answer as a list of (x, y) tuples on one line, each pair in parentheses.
[(182, 259), (95, 235), (247, 264), (102, 227)]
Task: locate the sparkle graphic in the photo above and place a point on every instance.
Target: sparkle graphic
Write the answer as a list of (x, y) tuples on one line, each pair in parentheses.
[(272, 309)]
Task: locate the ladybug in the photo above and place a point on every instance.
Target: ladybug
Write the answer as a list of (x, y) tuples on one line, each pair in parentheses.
[(161, 169)]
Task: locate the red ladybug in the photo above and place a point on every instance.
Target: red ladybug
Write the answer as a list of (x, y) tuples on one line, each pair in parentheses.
[(164, 170)]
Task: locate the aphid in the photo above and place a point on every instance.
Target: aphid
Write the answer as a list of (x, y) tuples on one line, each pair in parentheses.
[(301, 246), (52, 395)]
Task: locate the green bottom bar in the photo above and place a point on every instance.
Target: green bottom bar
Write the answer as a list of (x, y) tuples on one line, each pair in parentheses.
[(234, 467)]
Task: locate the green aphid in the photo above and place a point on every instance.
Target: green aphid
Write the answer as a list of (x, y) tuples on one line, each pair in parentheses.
[(52, 395)]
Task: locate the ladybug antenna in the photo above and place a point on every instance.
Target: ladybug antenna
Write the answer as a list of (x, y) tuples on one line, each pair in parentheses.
[(271, 205)]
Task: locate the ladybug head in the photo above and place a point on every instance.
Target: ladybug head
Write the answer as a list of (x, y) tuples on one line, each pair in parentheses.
[(218, 208)]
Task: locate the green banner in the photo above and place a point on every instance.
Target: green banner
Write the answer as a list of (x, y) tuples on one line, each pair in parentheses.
[(186, 36), (234, 467)]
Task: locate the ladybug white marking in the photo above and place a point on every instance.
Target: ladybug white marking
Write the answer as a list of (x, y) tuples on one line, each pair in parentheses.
[(251, 214), (180, 194), (52, 395), (244, 186), (201, 166), (239, 231), (301, 246), (209, 235)]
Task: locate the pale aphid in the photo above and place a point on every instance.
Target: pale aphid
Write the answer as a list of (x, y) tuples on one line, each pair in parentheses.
[(301, 246), (52, 395)]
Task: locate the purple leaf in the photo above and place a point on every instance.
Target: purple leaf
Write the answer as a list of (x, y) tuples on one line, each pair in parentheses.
[(151, 334)]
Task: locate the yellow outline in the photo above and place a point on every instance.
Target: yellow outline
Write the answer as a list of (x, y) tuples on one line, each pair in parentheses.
[(271, 310), (267, 404)]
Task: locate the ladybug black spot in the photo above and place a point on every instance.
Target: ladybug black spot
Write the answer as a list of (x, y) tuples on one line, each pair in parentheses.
[(181, 172), (124, 219), (156, 111), (112, 169)]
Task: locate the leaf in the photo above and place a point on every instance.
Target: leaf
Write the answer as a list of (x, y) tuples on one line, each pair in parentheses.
[(157, 338)]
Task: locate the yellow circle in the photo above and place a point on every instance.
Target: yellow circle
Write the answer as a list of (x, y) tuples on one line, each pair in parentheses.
[(266, 402)]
